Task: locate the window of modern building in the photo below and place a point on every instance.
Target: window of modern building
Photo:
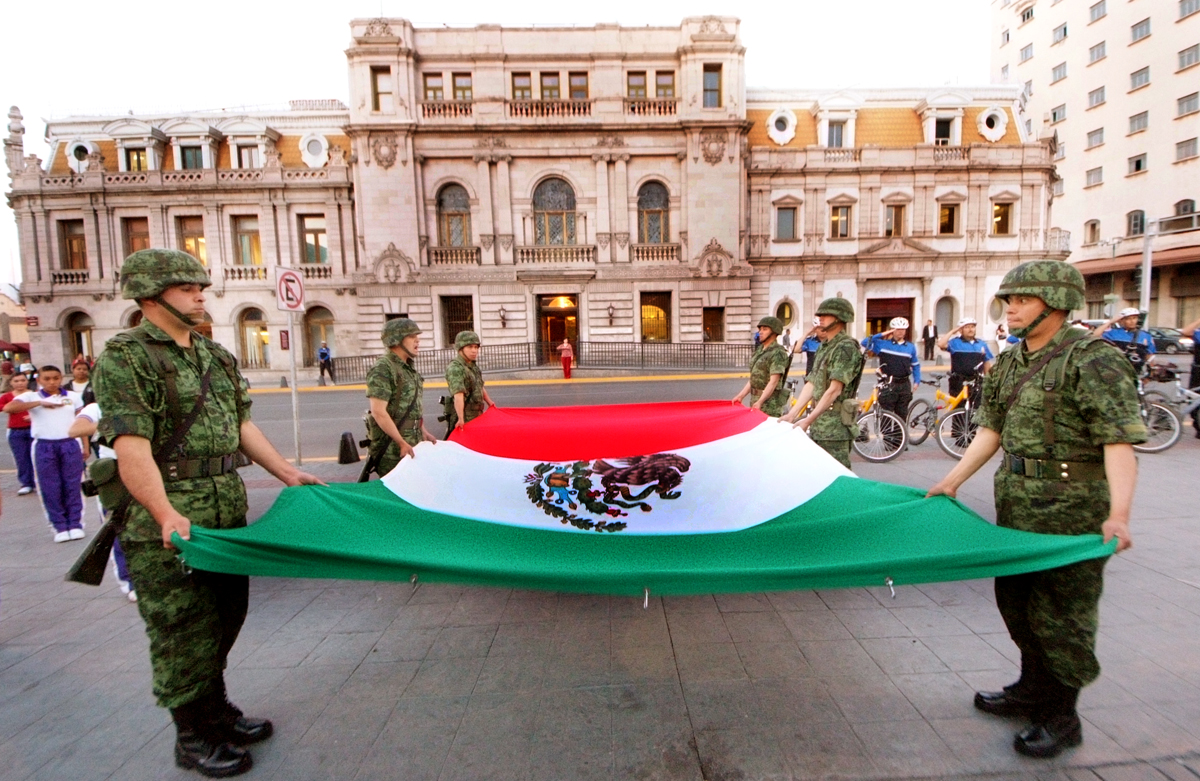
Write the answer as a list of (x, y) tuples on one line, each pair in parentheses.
[(1026, 52), (578, 84), (1004, 73), (1095, 137), (381, 88), (656, 317), (458, 315), (1186, 150), (1188, 7), (948, 219), (1096, 97), (1139, 78), (1186, 206), (1091, 232), (190, 231), (462, 86), (72, 245), (193, 157), (1094, 176), (1098, 11), (1189, 56), (1058, 113), (247, 156), (1005, 37), (1002, 219), (635, 84), (1139, 122), (550, 86), (837, 132), (136, 233), (942, 129), (1135, 223), (553, 212), (839, 222), (1058, 72), (1029, 88), (1059, 187), (893, 221), (1188, 104), (1060, 151), (1098, 52), (454, 216), (654, 214), (136, 160), (1140, 30), (247, 247), (312, 231), (1027, 15), (785, 223), (318, 327), (1060, 32), (522, 86), (1137, 163), (255, 339), (713, 319), (664, 84), (712, 85), (1028, 127), (434, 87)]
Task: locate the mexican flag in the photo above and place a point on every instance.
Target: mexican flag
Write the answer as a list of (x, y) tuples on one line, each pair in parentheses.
[(678, 498)]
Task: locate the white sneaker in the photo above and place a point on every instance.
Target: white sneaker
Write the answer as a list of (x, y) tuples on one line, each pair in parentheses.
[(62, 536), (132, 595), (75, 534), (24, 490)]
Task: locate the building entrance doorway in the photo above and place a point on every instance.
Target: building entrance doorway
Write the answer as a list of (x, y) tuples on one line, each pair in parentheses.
[(881, 310), (558, 319)]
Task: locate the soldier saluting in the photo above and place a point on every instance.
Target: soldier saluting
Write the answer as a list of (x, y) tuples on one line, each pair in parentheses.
[(464, 383), (1064, 408), (394, 389), (147, 380)]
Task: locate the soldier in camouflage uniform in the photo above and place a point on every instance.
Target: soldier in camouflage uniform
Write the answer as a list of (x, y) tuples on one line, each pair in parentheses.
[(768, 366), (464, 382), (833, 383), (192, 618), (1067, 433), (395, 388)]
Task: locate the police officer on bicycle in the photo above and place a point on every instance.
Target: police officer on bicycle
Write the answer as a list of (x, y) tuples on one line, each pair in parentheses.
[(1123, 331), (899, 366), (969, 357)]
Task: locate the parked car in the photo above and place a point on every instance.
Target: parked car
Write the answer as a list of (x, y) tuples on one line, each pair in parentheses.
[(1170, 341)]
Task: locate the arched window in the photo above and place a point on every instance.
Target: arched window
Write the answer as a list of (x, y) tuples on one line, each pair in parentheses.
[(654, 210), (1091, 232), (1135, 223), (553, 213), (255, 339), (79, 336), (318, 327), (454, 216), (943, 314), (786, 312), (1186, 206)]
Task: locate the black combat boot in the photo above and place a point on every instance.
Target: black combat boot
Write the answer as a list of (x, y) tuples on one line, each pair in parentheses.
[(1055, 727), (1016, 699), (239, 729), (201, 747)]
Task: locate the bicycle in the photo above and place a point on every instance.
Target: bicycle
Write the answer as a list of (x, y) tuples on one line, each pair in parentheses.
[(1163, 428), (954, 428), (882, 434)]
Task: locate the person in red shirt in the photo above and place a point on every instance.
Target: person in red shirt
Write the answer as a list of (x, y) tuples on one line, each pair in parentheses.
[(19, 439), (565, 351)]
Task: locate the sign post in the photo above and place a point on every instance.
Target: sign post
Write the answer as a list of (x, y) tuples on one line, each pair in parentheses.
[(289, 297)]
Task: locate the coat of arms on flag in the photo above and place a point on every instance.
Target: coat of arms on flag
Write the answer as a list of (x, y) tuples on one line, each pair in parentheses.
[(560, 489)]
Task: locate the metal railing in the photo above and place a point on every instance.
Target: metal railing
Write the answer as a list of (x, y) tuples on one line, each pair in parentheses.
[(525, 356), (1179, 223)]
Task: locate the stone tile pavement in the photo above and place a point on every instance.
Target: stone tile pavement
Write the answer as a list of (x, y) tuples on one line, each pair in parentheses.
[(378, 681)]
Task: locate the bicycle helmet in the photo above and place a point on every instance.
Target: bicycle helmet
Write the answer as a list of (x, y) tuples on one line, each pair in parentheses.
[(1129, 311), (967, 321), (898, 322)]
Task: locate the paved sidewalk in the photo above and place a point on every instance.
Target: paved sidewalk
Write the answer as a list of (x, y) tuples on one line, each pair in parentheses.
[(376, 681)]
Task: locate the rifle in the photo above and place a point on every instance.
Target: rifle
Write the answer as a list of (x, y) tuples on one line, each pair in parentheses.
[(379, 443)]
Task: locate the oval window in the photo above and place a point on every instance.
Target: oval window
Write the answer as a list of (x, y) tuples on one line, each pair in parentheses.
[(781, 124), (315, 147), (80, 152), (785, 312), (990, 121)]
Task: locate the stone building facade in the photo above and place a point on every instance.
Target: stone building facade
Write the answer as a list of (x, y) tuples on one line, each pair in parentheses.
[(601, 184)]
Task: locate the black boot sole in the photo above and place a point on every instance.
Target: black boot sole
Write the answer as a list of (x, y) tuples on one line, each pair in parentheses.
[(1007, 707), (1071, 739), (187, 762)]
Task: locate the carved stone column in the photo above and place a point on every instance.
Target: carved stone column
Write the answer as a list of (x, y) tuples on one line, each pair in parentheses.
[(483, 186), (504, 210), (603, 222), (422, 217), (621, 209)]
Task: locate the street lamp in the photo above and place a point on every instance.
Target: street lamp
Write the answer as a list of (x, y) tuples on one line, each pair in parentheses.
[(611, 311), (503, 318)]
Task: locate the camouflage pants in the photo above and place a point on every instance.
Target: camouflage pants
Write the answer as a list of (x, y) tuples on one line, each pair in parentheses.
[(838, 448), (391, 456), (192, 621)]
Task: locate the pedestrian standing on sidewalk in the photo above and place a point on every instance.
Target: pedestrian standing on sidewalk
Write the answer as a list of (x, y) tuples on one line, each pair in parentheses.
[(56, 456), (20, 440), (1064, 408), (325, 361), (567, 355), (929, 337)]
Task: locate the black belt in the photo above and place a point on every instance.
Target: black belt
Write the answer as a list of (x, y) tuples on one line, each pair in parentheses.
[(190, 468), (1045, 469)]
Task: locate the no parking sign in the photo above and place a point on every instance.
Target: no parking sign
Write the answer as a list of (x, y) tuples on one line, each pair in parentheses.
[(289, 290)]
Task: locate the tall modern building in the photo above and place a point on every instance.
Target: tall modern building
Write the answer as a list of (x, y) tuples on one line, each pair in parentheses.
[(1117, 84), (607, 185)]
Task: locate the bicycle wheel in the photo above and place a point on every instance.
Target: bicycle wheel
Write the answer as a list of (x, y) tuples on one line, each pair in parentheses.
[(1155, 397), (1162, 429), (955, 432), (921, 420), (882, 437)]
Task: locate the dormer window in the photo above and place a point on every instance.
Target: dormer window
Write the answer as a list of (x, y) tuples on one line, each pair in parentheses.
[(192, 157), (135, 159), (941, 131), (837, 134)]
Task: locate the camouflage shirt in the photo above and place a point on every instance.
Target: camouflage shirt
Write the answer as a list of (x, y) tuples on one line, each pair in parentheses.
[(397, 382), (132, 396), (763, 364), (838, 359), (465, 377)]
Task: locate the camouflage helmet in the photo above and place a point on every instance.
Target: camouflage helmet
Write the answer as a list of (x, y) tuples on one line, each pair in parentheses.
[(1058, 284), (394, 331), (837, 307), (465, 338), (148, 272), (774, 323)]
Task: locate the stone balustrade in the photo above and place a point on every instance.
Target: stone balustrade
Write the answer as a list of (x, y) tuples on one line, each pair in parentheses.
[(69, 277), (655, 253), (454, 256), (543, 109), (652, 107), (571, 253), (446, 109), (945, 153), (305, 174), (316, 271), (192, 178), (245, 273), (843, 155), (241, 175)]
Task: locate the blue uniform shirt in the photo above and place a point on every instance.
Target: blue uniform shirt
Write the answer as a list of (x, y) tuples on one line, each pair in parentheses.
[(1137, 345), (323, 354), (810, 345), (896, 359), (964, 364)]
